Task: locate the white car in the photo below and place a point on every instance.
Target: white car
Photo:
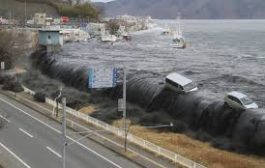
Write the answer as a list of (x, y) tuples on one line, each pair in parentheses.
[(180, 84), (238, 100)]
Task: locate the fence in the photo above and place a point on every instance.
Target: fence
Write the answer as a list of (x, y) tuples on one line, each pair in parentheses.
[(132, 138)]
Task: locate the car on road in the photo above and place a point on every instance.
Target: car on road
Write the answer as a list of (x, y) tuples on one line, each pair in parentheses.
[(237, 100), (180, 84)]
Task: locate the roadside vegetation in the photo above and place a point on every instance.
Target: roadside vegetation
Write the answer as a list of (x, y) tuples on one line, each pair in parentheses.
[(198, 151)]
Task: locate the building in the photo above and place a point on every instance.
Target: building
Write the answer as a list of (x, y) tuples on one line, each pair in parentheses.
[(96, 29), (50, 38), (40, 18), (3, 21)]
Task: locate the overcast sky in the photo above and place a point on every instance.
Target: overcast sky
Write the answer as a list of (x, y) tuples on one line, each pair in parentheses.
[(101, 0)]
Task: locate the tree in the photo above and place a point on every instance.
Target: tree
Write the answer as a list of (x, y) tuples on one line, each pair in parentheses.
[(113, 26), (10, 47), (83, 11)]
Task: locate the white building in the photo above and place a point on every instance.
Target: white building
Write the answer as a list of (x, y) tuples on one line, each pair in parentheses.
[(3, 21), (96, 29), (40, 18)]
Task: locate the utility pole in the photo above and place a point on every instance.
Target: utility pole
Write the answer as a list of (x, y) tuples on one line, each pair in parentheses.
[(25, 10), (64, 130), (124, 109)]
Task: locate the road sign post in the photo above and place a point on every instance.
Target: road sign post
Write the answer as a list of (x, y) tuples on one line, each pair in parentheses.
[(102, 78), (124, 109), (107, 78)]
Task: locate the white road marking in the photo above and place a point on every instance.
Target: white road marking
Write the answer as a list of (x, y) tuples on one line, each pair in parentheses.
[(59, 132), (5, 118), (117, 144), (13, 154), (54, 152), (103, 137), (25, 132)]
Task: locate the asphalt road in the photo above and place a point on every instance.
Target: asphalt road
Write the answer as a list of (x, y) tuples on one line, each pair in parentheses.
[(36, 142)]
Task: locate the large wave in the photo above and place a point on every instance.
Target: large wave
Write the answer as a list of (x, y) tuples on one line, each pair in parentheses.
[(242, 131)]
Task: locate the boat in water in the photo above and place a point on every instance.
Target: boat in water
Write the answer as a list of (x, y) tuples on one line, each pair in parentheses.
[(178, 38), (166, 32)]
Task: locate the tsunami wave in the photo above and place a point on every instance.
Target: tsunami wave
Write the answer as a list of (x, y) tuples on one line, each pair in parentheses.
[(201, 112)]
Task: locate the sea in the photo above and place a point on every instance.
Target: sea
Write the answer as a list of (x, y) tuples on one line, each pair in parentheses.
[(221, 55)]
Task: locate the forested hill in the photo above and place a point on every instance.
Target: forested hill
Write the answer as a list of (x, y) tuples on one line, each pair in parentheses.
[(190, 9), (16, 9)]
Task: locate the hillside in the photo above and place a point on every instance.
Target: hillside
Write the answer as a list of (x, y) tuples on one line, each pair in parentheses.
[(15, 9), (190, 9)]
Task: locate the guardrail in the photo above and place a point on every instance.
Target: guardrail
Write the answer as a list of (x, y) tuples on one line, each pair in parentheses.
[(121, 133)]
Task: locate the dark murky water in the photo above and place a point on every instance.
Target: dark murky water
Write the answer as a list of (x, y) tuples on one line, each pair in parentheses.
[(221, 55)]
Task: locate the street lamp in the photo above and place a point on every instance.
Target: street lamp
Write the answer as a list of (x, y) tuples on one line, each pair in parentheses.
[(124, 109), (64, 131)]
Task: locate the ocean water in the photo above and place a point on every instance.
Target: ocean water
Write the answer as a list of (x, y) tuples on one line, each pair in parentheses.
[(221, 55)]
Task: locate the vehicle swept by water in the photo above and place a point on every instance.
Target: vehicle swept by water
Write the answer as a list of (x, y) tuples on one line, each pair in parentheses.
[(180, 84), (237, 100), (108, 38), (166, 31), (178, 38), (105, 36)]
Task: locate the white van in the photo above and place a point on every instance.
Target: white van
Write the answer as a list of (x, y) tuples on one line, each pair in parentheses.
[(238, 100), (180, 84)]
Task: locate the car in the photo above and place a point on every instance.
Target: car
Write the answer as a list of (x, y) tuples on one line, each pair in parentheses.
[(237, 100), (180, 84)]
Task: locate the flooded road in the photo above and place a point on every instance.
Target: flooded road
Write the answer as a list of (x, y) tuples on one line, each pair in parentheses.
[(221, 55)]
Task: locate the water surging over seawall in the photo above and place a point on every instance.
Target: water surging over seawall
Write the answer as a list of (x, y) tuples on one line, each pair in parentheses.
[(234, 130)]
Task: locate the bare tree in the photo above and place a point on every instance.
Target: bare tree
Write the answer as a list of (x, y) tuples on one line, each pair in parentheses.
[(11, 46)]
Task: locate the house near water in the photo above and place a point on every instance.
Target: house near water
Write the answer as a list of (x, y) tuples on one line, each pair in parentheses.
[(51, 39)]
